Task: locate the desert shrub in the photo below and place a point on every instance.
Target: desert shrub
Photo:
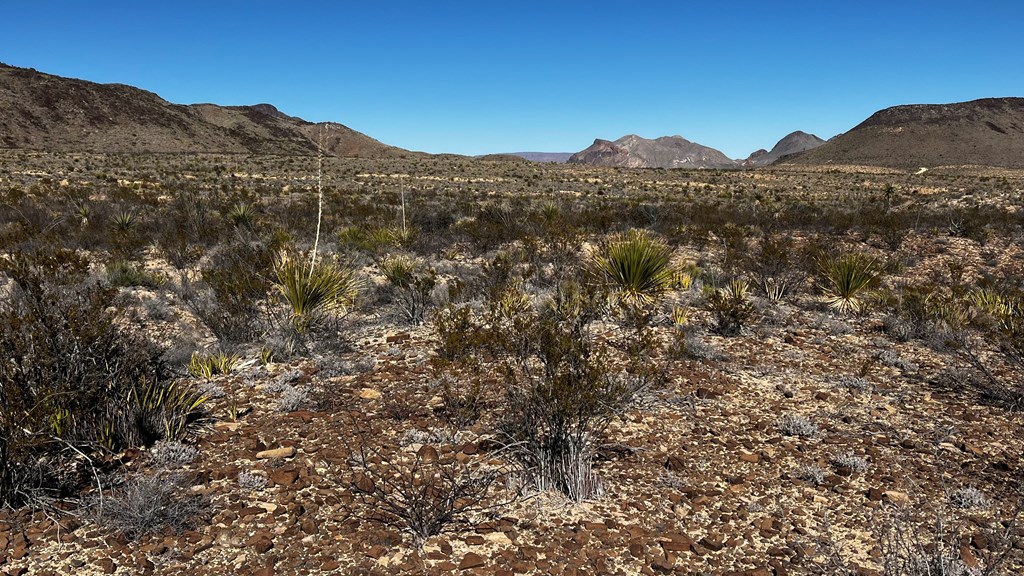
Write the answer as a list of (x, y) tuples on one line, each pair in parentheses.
[(412, 286), (72, 379), (846, 281), (424, 493), (561, 394), (635, 266), (231, 296), (731, 307), (797, 425), (292, 399), (850, 461), (969, 498), (462, 402), (812, 474), (124, 274), (252, 480), (314, 292), (172, 454), (492, 226), (149, 504)]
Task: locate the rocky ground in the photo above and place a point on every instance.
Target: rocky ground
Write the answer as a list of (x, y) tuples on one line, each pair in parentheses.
[(699, 476), (813, 442)]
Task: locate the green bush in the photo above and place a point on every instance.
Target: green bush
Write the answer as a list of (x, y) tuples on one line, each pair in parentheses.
[(731, 306), (72, 380), (412, 286), (124, 274)]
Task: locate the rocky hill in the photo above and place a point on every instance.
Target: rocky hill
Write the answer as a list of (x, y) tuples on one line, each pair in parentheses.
[(44, 112), (666, 152), (793, 143), (988, 132)]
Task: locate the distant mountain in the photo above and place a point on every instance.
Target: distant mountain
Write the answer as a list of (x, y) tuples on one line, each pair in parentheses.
[(793, 143), (988, 132), (44, 112), (666, 152), (558, 157)]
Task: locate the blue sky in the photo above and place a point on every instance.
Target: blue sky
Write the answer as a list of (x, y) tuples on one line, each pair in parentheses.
[(480, 77)]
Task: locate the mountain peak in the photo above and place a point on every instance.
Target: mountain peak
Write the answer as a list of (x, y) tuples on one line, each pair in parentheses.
[(792, 143), (632, 151)]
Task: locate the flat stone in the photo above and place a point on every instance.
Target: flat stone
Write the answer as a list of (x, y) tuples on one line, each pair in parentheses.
[(471, 560), (369, 394), (896, 497), (282, 452), (284, 477), (749, 457)]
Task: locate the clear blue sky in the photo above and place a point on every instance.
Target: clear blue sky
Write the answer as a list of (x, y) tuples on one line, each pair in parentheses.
[(478, 77)]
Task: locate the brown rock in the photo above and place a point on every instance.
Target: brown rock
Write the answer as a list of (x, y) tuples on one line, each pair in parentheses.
[(749, 457), (309, 526), (636, 549), (284, 477), (713, 542), (376, 552), (675, 463), (363, 483), (471, 560), (261, 542), (427, 453), (106, 565)]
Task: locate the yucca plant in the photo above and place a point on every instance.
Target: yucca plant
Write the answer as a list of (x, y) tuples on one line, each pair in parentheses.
[(636, 266), (125, 221), (311, 293), (847, 280), (412, 285), (171, 405), (242, 214), (210, 365), (731, 306)]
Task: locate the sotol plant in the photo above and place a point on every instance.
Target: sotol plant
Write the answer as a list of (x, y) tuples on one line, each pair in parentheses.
[(636, 266), (846, 281), (326, 287)]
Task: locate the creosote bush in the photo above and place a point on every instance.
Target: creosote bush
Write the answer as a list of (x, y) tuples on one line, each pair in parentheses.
[(73, 382), (424, 493)]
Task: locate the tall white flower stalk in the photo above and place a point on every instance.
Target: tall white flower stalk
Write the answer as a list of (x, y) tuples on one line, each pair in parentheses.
[(319, 194)]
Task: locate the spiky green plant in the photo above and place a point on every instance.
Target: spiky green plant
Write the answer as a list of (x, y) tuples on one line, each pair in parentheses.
[(209, 365), (125, 221), (636, 266), (847, 280), (312, 293), (242, 214)]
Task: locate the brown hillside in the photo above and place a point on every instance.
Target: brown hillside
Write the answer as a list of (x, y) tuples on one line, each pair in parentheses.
[(988, 132), (44, 112)]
